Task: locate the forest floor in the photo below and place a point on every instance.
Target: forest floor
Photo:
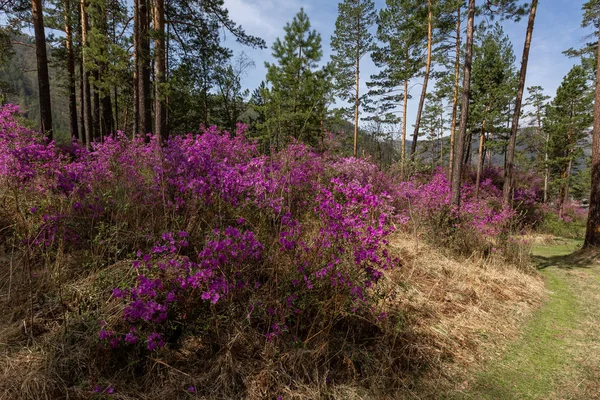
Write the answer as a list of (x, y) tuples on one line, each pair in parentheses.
[(557, 354)]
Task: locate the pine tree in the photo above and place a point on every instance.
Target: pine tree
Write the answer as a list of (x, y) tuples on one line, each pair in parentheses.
[(460, 140), (400, 56), (350, 42), (592, 234), (567, 121), (538, 101), (510, 154), (298, 89), (42, 68), (492, 88)]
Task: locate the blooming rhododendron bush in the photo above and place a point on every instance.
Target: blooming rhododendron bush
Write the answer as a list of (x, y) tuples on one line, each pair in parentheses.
[(203, 245)]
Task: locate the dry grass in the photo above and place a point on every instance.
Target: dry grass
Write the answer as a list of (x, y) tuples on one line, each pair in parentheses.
[(462, 311), (447, 315)]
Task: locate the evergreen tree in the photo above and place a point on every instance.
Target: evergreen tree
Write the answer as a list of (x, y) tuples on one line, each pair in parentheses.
[(400, 57), (592, 235), (510, 153), (298, 92), (350, 42), (568, 119), (539, 141), (492, 89)]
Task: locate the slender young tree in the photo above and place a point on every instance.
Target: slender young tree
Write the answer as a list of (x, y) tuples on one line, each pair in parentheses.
[(413, 147), (351, 41), (455, 93), (510, 153), (42, 68), (462, 130), (537, 100), (400, 57)]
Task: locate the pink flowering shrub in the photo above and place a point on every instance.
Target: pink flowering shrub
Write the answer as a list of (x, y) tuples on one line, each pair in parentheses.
[(424, 201), (218, 231), (223, 240)]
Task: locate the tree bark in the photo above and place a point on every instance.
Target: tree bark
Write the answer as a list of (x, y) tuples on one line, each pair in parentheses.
[(455, 97), (96, 123), (143, 68), (462, 130), (73, 128), (592, 233), (510, 153), (106, 119), (403, 150), (413, 147), (356, 99), (160, 114), (87, 98), (136, 73), (42, 68), (480, 157)]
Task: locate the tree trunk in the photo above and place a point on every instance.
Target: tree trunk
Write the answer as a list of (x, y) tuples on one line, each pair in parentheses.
[(510, 153), (455, 97), (81, 96), (106, 119), (160, 114), (143, 68), (546, 167), (42, 68), (403, 150), (96, 128), (413, 147), (73, 128), (81, 81), (592, 233), (356, 99), (480, 158), (462, 130), (136, 73), (87, 98)]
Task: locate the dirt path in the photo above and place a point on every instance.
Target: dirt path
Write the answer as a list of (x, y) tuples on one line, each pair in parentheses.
[(558, 354)]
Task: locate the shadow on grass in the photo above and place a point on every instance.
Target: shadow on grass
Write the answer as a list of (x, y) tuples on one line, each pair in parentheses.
[(565, 254)]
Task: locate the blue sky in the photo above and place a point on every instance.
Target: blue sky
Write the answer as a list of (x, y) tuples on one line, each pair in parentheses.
[(557, 28)]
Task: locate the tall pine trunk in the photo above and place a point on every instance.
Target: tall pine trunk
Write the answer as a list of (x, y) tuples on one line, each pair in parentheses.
[(462, 130), (73, 128), (413, 147), (455, 97), (356, 99), (592, 232), (87, 98), (403, 150), (106, 118), (96, 128), (510, 153), (136, 73), (160, 111), (142, 53), (42, 68)]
